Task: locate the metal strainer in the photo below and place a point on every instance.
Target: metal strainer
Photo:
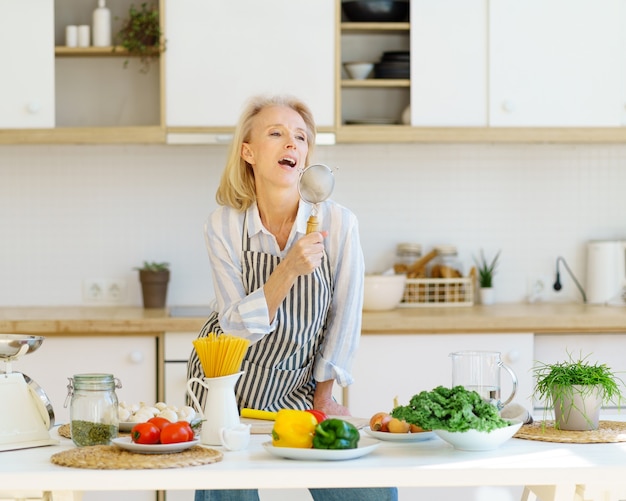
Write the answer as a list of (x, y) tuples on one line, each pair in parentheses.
[(315, 185)]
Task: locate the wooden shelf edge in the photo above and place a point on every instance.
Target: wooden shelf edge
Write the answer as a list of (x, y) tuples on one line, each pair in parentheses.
[(350, 26), (408, 134), (85, 135), (343, 134), (117, 51), (376, 83)]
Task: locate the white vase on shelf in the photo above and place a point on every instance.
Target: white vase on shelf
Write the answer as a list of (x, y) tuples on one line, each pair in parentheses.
[(487, 295)]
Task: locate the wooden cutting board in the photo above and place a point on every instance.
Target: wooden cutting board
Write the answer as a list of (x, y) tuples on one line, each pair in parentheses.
[(264, 427)]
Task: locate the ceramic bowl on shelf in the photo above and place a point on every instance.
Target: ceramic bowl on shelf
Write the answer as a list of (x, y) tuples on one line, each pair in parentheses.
[(372, 11), (358, 70), (473, 440), (383, 292)]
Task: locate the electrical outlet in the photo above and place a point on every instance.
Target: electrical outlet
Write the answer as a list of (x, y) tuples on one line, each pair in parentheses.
[(93, 290), (115, 290), (538, 288), (105, 291)]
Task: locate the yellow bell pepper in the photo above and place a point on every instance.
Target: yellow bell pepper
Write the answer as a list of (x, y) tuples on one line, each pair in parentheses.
[(293, 428)]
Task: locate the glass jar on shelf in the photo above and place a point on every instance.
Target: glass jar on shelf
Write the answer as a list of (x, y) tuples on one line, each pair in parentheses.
[(406, 255), (446, 264)]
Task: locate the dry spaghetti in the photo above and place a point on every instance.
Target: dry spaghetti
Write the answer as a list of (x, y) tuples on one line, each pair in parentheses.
[(220, 355)]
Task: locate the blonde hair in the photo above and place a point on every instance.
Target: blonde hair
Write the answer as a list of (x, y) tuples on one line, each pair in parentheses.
[(237, 185)]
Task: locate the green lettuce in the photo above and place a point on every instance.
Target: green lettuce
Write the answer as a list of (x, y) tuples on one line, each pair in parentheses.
[(451, 409)]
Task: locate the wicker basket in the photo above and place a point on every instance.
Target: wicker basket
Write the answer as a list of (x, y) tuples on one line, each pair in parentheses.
[(438, 292)]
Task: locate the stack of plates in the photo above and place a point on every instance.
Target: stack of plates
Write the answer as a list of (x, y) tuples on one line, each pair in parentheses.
[(394, 64)]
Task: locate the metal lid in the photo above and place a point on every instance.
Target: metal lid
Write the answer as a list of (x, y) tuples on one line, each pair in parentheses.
[(446, 250), (95, 382), (409, 248)]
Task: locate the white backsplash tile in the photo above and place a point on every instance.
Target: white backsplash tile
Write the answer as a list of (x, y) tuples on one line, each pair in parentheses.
[(68, 213)]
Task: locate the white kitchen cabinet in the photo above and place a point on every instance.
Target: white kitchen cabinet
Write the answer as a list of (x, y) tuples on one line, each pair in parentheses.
[(449, 70), (556, 63), (131, 359), (390, 365), (27, 62), (220, 53), (177, 348)]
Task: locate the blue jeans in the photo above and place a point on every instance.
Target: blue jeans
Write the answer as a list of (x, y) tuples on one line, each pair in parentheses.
[(356, 494)]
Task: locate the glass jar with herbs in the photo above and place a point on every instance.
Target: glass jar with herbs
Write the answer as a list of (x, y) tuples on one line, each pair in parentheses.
[(93, 408)]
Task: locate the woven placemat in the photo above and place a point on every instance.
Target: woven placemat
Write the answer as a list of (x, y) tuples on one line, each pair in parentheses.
[(607, 432), (110, 457), (65, 431)]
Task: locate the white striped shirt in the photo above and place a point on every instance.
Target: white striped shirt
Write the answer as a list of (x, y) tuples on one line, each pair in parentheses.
[(248, 316)]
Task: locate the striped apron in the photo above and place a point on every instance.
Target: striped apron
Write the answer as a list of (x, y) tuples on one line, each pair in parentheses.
[(278, 369)]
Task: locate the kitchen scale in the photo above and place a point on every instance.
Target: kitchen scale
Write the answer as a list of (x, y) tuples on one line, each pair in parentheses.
[(27, 414)]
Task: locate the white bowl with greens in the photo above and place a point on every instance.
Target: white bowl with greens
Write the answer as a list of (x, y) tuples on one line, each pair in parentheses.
[(460, 417), (474, 440)]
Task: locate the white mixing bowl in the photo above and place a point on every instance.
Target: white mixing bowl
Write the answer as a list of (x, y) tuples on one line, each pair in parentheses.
[(383, 292), (358, 70)]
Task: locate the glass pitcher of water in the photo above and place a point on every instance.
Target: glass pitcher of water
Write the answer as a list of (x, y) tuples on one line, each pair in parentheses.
[(480, 371)]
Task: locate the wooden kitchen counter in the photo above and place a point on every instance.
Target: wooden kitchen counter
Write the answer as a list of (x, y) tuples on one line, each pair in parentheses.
[(499, 318)]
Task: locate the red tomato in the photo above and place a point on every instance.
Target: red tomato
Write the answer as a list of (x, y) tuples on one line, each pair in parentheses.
[(319, 415), (160, 422), (145, 433), (174, 433)]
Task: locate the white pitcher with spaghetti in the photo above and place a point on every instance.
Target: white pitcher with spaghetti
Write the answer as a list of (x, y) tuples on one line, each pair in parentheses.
[(220, 409), (220, 357)]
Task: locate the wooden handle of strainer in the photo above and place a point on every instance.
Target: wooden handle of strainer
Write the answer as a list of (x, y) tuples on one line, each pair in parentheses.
[(312, 225)]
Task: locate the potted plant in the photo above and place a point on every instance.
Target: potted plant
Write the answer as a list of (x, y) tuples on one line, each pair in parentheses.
[(141, 35), (486, 271), (154, 278), (576, 390)]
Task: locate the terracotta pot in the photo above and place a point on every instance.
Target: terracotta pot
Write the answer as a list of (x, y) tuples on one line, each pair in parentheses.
[(154, 288), (577, 408)]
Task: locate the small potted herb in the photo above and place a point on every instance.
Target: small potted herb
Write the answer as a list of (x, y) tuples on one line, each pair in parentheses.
[(486, 271), (576, 390), (141, 35), (154, 278)]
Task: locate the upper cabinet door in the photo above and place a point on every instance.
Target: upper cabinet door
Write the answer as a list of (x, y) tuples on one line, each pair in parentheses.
[(556, 63), (449, 62), (27, 63), (219, 53)]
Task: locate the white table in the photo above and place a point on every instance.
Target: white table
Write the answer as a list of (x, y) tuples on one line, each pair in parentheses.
[(554, 468)]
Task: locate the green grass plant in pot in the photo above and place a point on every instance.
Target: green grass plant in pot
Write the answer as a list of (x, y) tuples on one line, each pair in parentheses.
[(154, 278), (486, 271), (576, 390)]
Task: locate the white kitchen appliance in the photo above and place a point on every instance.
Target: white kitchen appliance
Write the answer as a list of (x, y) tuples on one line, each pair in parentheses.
[(27, 414), (606, 272)]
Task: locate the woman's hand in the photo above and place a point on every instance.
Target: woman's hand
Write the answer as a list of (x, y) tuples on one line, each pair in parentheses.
[(331, 408), (323, 400), (306, 254)]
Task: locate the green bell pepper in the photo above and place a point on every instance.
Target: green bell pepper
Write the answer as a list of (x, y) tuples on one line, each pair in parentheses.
[(335, 434)]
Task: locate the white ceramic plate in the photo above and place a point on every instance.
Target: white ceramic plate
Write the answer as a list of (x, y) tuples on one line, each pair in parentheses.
[(473, 440), (399, 437), (366, 446), (127, 444)]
